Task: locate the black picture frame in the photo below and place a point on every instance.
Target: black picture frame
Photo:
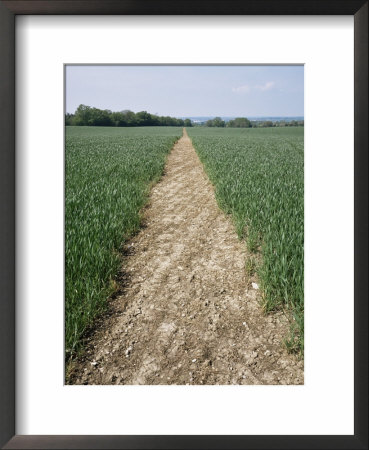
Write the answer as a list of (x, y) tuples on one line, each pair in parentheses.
[(8, 11)]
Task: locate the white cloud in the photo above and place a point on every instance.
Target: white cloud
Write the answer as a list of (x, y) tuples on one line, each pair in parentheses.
[(246, 88), (242, 89), (265, 87)]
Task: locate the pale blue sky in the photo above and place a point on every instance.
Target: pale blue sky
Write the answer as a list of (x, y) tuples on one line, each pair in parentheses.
[(189, 90)]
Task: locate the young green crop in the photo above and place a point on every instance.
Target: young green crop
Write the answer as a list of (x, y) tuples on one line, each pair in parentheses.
[(258, 176), (108, 175)]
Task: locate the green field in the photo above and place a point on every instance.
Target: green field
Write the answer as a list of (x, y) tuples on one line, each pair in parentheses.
[(258, 176), (108, 175)]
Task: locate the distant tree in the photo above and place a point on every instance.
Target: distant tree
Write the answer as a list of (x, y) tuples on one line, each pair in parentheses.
[(239, 122), (83, 115), (101, 118), (216, 122), (179, 122), (267, 123), (130, 118), (143, 118), (155, 120), (187, 123), (165, 121), (69, 119), (118, 119)]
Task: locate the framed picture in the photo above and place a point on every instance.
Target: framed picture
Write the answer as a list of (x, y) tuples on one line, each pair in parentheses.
[(50, 48)]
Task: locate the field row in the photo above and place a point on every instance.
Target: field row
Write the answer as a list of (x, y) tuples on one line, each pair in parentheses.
[(258, 176), (109, 172)]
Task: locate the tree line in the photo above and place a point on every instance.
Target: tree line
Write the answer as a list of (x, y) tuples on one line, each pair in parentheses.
[(279, 123), (243, 122), (89, 116), (239, 122)]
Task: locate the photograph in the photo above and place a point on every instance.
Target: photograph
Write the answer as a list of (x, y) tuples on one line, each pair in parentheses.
[(201, 173), (184, 224)]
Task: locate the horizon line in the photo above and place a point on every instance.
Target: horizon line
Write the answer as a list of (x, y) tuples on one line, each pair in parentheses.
[(202, 115)]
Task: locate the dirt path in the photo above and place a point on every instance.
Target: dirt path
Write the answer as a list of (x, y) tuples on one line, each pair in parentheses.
[(188, 314)]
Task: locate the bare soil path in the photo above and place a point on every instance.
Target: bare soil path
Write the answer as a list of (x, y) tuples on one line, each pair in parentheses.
[(188, 314)]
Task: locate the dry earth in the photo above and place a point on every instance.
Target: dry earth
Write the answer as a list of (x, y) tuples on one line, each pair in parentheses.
[(187, 313)]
